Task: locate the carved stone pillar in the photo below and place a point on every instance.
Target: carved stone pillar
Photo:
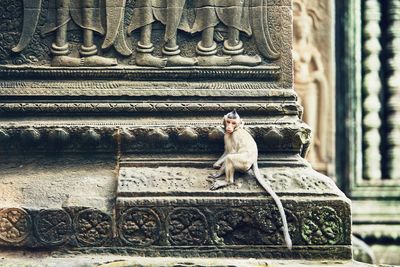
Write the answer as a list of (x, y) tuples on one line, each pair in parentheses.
[(372, 86)]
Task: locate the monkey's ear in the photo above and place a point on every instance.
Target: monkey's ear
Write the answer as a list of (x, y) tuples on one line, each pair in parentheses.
[(224, 121), (241, 123)]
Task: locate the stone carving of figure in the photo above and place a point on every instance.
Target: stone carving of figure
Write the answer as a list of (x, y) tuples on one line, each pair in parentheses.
[(234, 14), (169, 13), (115, 33), (310, 81), (87, 15), (220, 20)]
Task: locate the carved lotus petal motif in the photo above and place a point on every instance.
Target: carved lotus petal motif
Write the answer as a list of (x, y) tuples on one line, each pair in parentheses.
[(124, 135), (216, 135), (188, 135), (4, 136), (273, 137), (157, 136), (91, 137), (30, 136), (59, 136), (127, 136)]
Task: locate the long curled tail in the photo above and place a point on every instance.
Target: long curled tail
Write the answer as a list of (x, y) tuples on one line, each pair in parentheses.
[(278, 202)]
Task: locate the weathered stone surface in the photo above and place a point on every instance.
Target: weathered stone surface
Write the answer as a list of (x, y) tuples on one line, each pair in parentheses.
[(163, 181), (56, 181), (112, 136)]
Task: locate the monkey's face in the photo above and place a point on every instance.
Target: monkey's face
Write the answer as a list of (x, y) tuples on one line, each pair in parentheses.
[(231, 124)]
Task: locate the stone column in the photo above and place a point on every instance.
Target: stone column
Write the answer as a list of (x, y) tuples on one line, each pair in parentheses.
[(394, 92), (372, 87)]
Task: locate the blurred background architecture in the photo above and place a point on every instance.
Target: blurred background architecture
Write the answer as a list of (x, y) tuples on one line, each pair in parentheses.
[(347, 76)]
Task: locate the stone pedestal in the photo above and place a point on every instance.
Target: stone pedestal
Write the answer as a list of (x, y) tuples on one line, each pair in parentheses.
[(162, 205), (169, 211)]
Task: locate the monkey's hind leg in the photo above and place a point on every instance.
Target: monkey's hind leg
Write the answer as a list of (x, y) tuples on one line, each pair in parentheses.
[(230, 169), (219, 173), (236, 162)]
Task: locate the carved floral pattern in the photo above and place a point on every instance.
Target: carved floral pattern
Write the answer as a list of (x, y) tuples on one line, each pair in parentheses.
[(53, 226), (232, 227), (187, 226), (92, 227), (139, 227), (14, 225), (246, 226), (252, 227), (321, 226), (270, 224)]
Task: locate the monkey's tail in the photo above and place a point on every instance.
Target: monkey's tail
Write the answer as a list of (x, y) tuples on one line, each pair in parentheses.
[(278, 202)]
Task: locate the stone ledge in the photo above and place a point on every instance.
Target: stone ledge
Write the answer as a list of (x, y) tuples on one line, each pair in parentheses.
[(147, 135), (135, 73), (166, 180), (46, 259)]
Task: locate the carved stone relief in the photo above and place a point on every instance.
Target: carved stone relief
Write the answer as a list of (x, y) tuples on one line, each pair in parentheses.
[(234, 225), (139, 227), (321, 226), (53, 227), (156, 33), (14, 225), (135, 181), (101, 137), (92, 227), (187, 227), (313, 77)]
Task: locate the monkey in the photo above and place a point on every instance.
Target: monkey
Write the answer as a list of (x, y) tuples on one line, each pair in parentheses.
[(241, 155)]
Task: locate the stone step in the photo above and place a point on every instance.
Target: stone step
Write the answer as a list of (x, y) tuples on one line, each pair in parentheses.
[(46, 259)]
